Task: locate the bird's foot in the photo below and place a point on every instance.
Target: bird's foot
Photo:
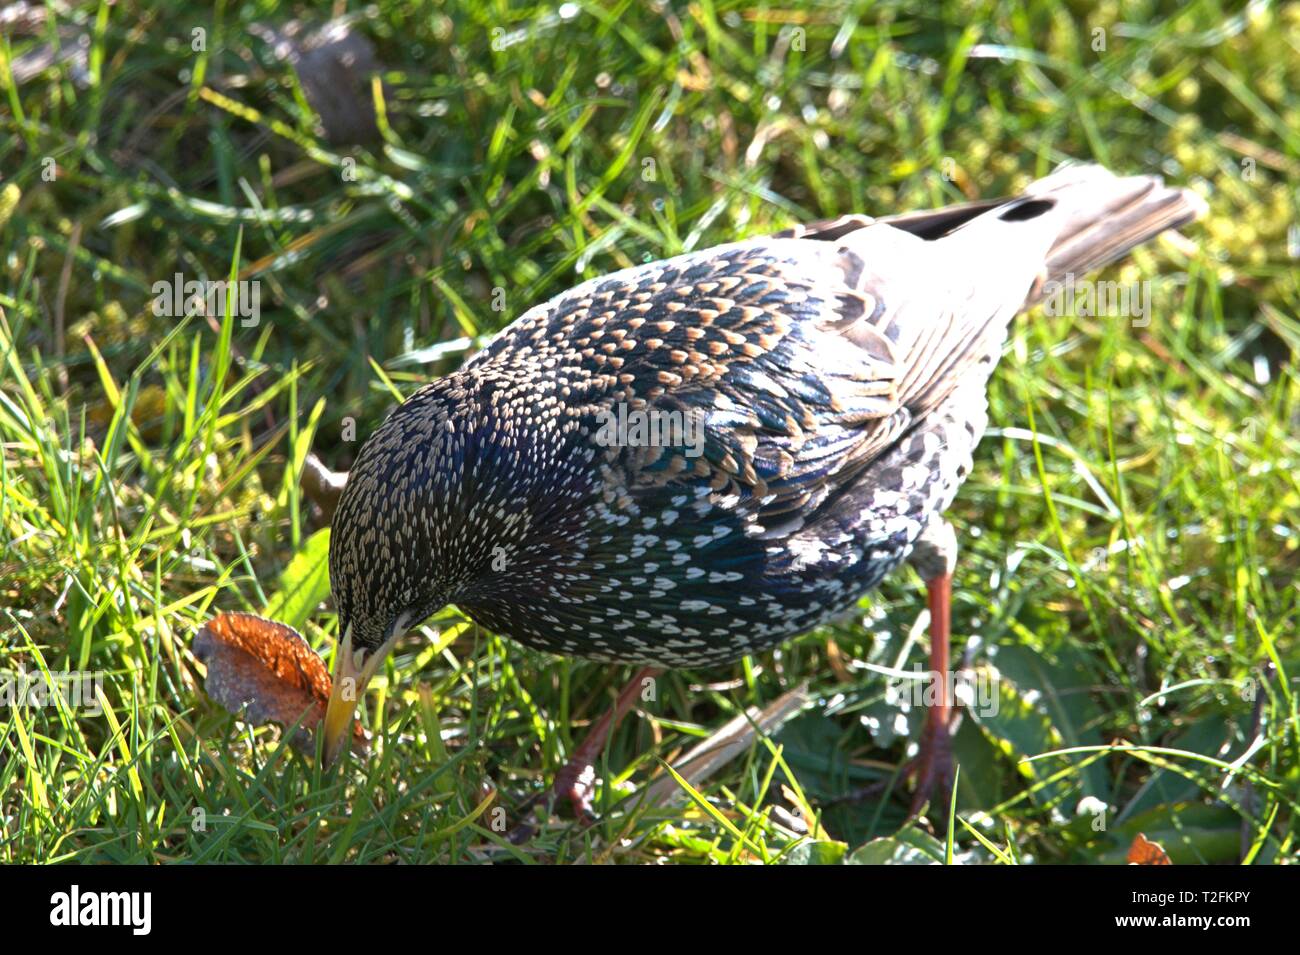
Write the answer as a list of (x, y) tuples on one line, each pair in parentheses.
[(932, 770), (573, 784)]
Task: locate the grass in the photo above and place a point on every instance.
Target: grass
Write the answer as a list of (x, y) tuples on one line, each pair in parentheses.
[(1130, 550)]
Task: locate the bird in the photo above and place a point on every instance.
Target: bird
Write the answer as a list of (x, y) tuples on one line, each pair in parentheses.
[(695, 459)]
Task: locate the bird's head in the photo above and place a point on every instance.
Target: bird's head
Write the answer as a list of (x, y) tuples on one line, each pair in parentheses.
[(389, 559), (438, 509)]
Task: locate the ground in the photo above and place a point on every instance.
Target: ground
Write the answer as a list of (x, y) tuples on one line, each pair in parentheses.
[(1127, 593)]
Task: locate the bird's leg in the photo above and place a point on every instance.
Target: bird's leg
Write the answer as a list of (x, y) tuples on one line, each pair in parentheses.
[(935, 556), (932, 767), (577, 777)]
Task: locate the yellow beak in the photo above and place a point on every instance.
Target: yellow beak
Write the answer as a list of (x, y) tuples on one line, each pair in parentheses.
[(352, 673)]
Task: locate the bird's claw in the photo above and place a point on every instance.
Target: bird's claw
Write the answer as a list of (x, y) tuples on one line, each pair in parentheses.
[(578, 789), (573, 784)]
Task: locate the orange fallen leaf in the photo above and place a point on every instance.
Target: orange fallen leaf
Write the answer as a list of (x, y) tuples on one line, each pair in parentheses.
[(266, 672), (1145, 852)]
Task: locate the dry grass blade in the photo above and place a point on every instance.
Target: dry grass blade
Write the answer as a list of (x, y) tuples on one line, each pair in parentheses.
[(733, 738)]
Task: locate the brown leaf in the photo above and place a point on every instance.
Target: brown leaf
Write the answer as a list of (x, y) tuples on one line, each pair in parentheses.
[(266, 672), (1145, 852)]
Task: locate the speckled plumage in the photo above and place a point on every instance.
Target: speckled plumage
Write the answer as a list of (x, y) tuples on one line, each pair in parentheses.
[(838, 373)]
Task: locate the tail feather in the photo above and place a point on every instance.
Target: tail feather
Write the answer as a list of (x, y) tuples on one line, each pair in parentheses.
[(1105, 216), (955, 281), (984, 264), (1111, 215)]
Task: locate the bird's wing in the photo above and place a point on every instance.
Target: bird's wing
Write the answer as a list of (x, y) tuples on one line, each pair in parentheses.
[(801, 359), (791, 363)]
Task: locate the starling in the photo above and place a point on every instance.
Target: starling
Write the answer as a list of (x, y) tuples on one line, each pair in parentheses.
[(695, 459)]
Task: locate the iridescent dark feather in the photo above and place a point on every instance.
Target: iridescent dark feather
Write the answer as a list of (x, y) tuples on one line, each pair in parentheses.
[(836, 376)]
